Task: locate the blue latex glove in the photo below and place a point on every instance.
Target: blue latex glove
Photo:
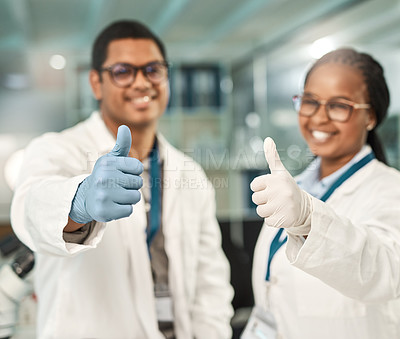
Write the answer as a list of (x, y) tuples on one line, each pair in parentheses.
[(112, 188)]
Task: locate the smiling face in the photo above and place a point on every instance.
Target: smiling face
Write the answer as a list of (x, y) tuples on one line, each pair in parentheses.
[(140, 105), (336, 142)]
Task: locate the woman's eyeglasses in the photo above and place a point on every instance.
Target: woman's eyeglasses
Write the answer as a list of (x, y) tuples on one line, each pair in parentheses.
[(336, 109)]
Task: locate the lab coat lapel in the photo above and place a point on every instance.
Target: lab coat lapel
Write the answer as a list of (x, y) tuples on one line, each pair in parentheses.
[(172, 219)]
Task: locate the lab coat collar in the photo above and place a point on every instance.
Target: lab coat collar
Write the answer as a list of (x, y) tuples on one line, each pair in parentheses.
[(312, 170), (354, 182), (105, 141)]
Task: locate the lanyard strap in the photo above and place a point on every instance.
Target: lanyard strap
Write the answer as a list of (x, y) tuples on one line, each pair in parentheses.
[(275, 246), (276, 243), (155, 194), (353, 169)]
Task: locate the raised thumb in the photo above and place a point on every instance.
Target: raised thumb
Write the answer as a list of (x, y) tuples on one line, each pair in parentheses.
[(123, 144), (272, 157)]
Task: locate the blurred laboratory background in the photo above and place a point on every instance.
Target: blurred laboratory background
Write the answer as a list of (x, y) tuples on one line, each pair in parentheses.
[(235, 66)]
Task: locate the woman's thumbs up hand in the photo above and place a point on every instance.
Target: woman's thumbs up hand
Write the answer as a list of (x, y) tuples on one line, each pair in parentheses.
[(279, 200)]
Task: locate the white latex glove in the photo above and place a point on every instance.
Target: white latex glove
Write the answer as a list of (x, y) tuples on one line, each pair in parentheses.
[(280, 200)]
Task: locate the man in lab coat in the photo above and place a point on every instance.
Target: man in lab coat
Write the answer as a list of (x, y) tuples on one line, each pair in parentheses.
[(106, 268)]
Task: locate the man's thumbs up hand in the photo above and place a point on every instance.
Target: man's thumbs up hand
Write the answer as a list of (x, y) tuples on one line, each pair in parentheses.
[(123, 143), (280, 200), (112, 188)]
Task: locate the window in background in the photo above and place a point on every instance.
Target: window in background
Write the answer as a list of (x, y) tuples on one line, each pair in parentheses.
[(197, 86)]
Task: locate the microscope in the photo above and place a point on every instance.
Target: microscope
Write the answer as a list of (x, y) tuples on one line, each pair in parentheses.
[(14, 287), (17, 262)]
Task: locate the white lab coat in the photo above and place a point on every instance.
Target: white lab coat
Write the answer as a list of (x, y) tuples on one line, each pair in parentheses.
[(104, 288), (343, 281)]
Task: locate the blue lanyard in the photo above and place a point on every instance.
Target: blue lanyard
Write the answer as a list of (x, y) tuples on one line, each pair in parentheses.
[(276, 243), (155, 194), (353, 169)]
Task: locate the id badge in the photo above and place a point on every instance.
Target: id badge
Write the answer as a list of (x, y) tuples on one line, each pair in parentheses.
[(261, 325), (164, 307)]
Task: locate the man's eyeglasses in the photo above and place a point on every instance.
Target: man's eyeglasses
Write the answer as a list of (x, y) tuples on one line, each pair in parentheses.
[(336, 110), (124, 75)]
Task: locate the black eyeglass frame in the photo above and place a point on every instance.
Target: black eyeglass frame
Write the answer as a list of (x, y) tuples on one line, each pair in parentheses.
[(297, 99), (135, 70)]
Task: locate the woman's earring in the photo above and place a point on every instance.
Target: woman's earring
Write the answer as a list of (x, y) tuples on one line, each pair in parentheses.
[(370, 127)]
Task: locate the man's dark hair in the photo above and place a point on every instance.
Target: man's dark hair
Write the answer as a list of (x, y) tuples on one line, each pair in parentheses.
[(377, 87), (121, 30)]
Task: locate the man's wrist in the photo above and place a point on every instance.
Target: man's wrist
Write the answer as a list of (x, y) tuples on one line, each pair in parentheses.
[(72, 226)]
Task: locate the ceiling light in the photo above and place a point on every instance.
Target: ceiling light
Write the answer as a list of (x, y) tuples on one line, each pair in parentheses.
[(57, 61), (320, 47), (252, 120)]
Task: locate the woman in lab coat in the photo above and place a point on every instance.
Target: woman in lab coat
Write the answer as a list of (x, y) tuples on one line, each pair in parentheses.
[(329, 267)]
